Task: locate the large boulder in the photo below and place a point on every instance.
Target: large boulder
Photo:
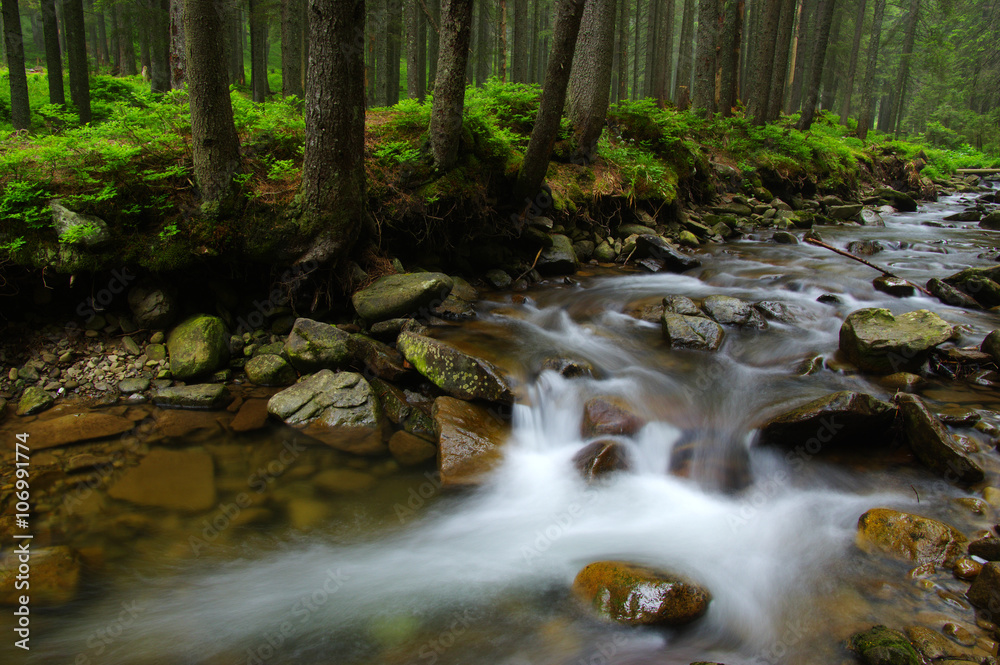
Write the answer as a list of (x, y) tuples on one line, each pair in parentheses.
[(456, 372), (730, 311), (198, 346), (560, 258), (991, 345), (181, 480), (394, 296), (876, 341), (991, 221), (657, 247), (884, 646), (980, 283), (691, 332), (54, 577), (313, 345), (604, 416), (639, 596), (932, 443), (920, 540), (470, 441), (949, 295), (152, 306), (340, 409), (842, 417), (88, 231), (899, 200)]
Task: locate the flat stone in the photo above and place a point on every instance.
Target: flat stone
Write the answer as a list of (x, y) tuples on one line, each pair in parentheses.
[(410, 450), (456, 372), (844, 211), (74, 428), (875, 340), (251, 416), (729, 311), (343, 481), (269, 370), (130, 386), (691, 332), (182, 480), (933, 444), (839, 418), (54, 578), (470, 441), (182, 423), (894, 286), (199, 396), (394, 296)]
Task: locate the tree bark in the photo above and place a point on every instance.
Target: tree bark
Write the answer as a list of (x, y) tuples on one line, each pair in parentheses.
[(292, 19), (94, 45), (653, 42), (636, 89), (258, 50), (234, 43), (53, 56), (729, 79), (178, 49), (664, 50), (779, 73), (622, 51), (484, 56), (761, 68), (832, 65), (902, 76), (102, 33), (333, 172), (215, 146), (142, 30), (381, 40), (703, 97), (817, 62), (804, 38), (20, 110), (76, 42), (414, 75), (433, 15), (519, 46), (114, 13), (543, 134), (590, 78), (685, 57), (852, 68), (449, 88), (502, 43), (867, 88), (126, 41), (159, 45)]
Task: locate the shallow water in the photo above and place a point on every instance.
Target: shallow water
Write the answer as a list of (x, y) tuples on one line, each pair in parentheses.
[(405, 573)]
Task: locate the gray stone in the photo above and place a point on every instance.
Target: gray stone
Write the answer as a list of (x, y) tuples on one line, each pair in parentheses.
[(932, 443), (395, 296), (269, 370), (691, 332), (454, 371), (498, 279), (130, 386), (839, 418), (312, 346), (991, 221), (657, 247), (875, 340), (681, 305), (844, 211), (130, 346), (198, 396), (152, 307), (730, 311), (559, 259), (784, 238), (93, 232), (894, 286)]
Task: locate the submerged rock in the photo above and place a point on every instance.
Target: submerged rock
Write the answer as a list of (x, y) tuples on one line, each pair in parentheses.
[(603, 416), (569, 368), (876, 341), (396, 296), (985, 590), (313, 345), (198, 346), (774, 310), (908, 537), (639, 596), (339, 409), (410, 450), (841, 417), (600, 458), (181, 480), (456, 372), (691, 332), (884, 646), (932, 443), (76, 427), (470, 441), (54, 578)]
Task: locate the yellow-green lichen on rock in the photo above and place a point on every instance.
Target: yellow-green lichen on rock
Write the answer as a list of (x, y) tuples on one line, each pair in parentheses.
[(454, 371)]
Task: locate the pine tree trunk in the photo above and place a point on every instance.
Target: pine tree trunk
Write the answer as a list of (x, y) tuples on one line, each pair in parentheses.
[(902, 76), (449, 88), (292, 17), (53, 57), (159, 45), (433, 15), (653, 42), (779, 73), (705, 62), (214, 144), (178, 50), (502, 43), (543, 134), (519, 39), (102, 34), (381, 53), (804, 39), (590, 78), (76, 58), (664, 50), (20, 111), (729, 56), (114, 13), (333, 172), (622, 50), (852, 68), (95, 46), (414, 78), (636, 89), (142, 30), (760, 70), (817, 62), (533, 44), (126, 41), (393, 44), (234, 44), (422, 51), (485, 55), (258, 52), (831, 70), (868, 87), (685, 57)]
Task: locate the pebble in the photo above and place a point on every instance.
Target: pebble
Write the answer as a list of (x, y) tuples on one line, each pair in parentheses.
[(91, 333), (959, 634), (66, 357), (157, 337), (967, 569), (12, 374)]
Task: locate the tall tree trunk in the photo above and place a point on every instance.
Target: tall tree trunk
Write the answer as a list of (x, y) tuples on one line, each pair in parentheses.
[(53, 57), (804, 39), (590, 78), (533, 44), (729, 55), (333, 172), (234, 44), (422, 51), (159, 45), (705, 62), (519, 52), (102, 33), (20, 111), (502, 42), (381, 53), (414, 76), (126, 41), (817, 62), (485, 55), (393, 43), (653, 42), (852, 68), (902, 76), (433, 15), (178, 49), (142, 30), (292, 19), (622, 51), (62, 34), (449, 88), (543, 134), (215, 146), (95, 46), (685, 57), (258, 49), (114, 13), (636, 89), (760, 70), (76, 57), (779, 73), (831, 69), (664, 50), (868, 87)]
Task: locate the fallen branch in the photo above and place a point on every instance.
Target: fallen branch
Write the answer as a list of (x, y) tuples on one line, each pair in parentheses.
[(885, 272), (533, 264)]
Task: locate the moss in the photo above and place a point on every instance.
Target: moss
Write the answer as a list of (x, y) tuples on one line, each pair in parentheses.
[(884, 646)]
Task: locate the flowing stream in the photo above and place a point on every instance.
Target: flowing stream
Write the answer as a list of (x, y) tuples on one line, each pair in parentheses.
[(406, 573)]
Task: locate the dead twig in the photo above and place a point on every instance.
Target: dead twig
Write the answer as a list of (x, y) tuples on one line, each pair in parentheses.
[(820, 243)]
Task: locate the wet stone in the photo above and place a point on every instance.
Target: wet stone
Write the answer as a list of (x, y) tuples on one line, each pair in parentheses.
[(691, 332), (986, 548), (600, 458), (908, 537), (603, 416), (639, 596), (410, 450), (894, 286), (174, 479)]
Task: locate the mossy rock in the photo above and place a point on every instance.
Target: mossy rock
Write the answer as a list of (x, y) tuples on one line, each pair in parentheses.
[(34, 400), (884, 646), (876, 341), (915, 538), (198, 346), (394, 296), (268, 369), (457, 373), (313, 345)]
